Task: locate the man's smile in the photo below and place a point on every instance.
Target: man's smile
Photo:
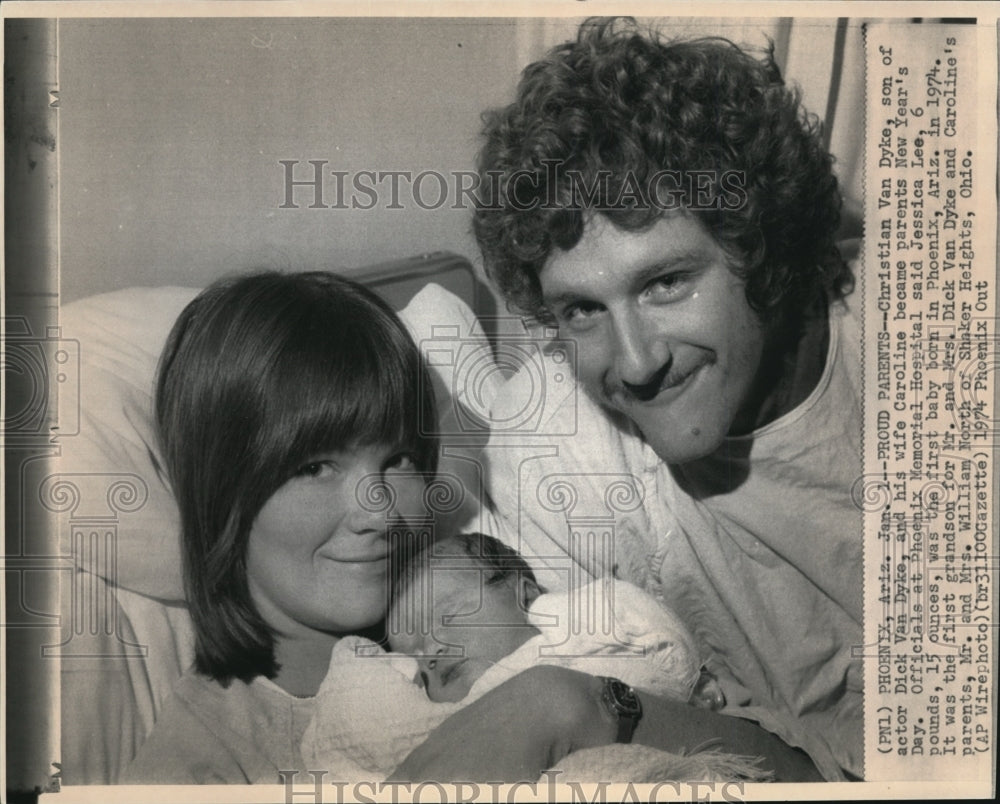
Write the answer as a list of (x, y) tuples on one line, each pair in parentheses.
[(662, 389)]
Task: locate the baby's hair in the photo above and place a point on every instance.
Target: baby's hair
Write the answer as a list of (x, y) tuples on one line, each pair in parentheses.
[(493, 554), (260, 374), (487, 552)]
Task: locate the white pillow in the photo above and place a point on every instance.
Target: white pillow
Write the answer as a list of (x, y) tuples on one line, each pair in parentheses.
[(109, 466)]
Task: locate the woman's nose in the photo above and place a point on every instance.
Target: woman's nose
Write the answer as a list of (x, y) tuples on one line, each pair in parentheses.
[(642, 352), (380, 496), (374, 499), (367, 513)]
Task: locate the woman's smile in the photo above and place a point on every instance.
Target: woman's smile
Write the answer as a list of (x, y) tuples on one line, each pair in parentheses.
[(360, 558), (362, 561)]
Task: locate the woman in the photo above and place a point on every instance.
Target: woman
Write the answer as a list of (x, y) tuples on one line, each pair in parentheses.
[(283, 402), (287, 407)]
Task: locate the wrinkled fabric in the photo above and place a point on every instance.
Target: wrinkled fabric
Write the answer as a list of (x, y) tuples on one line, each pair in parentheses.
[(210, 734)]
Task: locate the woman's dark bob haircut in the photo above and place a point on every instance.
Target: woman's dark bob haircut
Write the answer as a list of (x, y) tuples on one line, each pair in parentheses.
[(260, 374), (634, 127)]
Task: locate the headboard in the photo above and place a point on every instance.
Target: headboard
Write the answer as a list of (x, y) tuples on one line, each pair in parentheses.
[(398, 281)]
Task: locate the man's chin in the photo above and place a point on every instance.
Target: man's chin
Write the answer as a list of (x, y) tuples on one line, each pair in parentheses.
[(671, 448), (681, 449)]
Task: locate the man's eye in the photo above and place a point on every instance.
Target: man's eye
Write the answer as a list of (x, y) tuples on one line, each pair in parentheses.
[(581, 310), (669, 284), (580, 315)]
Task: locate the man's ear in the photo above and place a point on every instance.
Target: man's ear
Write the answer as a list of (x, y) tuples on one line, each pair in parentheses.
[(528, 591)]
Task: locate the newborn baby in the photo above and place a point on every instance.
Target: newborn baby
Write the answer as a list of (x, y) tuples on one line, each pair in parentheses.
[(467, 614), (486, 609)]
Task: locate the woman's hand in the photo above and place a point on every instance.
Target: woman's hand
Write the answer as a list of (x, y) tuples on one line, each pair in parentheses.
[(515, 731)]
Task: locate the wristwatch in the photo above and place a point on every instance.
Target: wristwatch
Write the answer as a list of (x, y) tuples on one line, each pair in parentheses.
[(623, 703)]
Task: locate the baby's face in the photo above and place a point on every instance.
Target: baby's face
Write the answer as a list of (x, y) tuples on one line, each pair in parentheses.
[(473, 623)]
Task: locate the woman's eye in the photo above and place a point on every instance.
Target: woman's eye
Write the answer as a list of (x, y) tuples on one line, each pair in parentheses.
[(316, 469), (403, 462)]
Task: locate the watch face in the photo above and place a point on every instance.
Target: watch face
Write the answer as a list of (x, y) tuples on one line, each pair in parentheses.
[(622, 698)]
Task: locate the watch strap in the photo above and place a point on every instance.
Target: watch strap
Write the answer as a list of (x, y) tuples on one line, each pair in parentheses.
[(623, 703)]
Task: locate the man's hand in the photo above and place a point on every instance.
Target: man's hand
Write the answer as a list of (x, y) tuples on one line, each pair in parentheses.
[(533, 720), (514, 732)]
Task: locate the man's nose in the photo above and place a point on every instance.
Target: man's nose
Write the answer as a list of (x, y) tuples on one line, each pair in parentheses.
[(642, 353)]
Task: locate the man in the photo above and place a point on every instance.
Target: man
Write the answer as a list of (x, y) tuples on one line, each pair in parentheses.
[(671, 209)]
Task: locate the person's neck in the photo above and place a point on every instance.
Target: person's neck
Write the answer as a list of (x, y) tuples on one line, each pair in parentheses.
[(303, 659), (793, 364), (302, 663)]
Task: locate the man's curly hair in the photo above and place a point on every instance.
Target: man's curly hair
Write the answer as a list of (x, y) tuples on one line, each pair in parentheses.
[(622, 103)]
